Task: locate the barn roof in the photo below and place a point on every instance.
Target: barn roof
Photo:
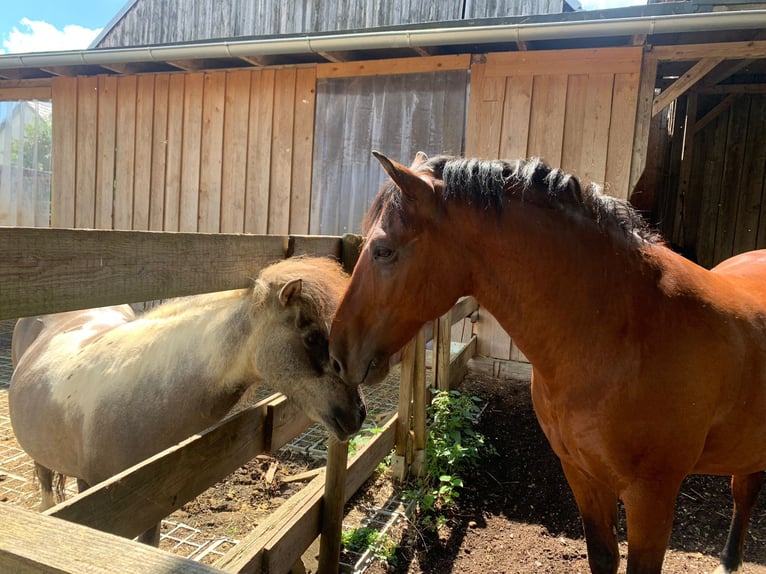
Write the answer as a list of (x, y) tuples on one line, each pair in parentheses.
[(656, 24)]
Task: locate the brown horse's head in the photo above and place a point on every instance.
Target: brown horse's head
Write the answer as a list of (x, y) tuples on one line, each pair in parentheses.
[(295, 301), (388, 300)]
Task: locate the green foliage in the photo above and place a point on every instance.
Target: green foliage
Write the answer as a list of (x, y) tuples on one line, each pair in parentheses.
[(36, 135), (362, 539), (363, 437), (454, 448)]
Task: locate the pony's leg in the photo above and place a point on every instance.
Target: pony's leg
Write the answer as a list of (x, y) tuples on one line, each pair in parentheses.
[(598, 510), (649, 509), (745, 490), (45, 477), (151, 536)]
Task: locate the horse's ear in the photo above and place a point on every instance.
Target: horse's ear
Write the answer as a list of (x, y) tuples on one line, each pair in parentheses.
[(420, 158), (290, 291), (405, 179)]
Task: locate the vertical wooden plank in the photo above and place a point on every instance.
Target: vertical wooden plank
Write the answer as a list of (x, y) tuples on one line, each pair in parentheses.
[(473, 134), (87, 135), (282, 148), (516, 110), (420, 400), (595, 140), (489, 115), (211, 161), (192, 142), (235, 144), (332, 505), (107, 144), (143, 157), (546, 131), (259, 152), (684, 136), (401, 458), (159, 151), (125, 167), (174, 152), (621, 132), (752, 208), (64, 160), (573, 152), (643, 117), (303, 148), (441, 351), (710, 181)]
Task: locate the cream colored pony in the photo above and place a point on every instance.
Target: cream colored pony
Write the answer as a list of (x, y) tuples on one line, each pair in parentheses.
[(96, 391)]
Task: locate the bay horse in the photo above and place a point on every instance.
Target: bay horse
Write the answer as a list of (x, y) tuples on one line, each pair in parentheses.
[(646, 366), (96, 391)]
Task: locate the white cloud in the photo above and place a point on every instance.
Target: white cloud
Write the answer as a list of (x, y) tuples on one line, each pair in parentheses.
[(601, 4), (39, 36)]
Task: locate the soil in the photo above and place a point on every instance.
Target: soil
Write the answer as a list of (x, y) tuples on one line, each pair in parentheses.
[(517, 515)]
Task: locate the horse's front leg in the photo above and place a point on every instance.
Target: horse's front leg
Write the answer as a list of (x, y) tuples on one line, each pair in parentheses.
[(598, 510), (745, 490), (649, 509)]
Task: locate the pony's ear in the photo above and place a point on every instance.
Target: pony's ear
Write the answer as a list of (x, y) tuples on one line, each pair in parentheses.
[(290, 291), (405, 179), (420, 158)]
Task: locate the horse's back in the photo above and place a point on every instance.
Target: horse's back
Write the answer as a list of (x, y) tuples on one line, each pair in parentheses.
[(749, 266)]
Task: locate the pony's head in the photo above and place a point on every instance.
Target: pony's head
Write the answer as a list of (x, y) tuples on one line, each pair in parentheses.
[(402, 278), (294, 303)]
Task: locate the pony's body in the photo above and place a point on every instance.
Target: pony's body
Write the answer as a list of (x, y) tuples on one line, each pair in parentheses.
[(646, 367), (99, 390)]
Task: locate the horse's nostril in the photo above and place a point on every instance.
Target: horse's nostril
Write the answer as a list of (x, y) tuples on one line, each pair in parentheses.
[(336, 366)]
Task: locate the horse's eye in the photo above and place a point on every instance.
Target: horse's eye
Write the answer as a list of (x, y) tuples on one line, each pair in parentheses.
[(383, 253), (313, 339)]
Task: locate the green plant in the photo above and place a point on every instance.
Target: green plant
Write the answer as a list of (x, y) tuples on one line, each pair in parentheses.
[(362, 539), (362, 438)]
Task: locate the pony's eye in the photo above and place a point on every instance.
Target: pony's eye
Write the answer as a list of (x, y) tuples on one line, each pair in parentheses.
[(382, 253), (313, 339)]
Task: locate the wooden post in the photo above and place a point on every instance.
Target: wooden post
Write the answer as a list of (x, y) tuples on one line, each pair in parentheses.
[(442, 350), (420, 399), (332, 506), (402, 456)]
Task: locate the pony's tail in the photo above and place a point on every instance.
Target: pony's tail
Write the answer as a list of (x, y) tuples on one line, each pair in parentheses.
[(52, 486)]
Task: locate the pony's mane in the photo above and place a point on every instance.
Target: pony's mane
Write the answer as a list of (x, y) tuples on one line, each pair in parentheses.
[(486, 183)]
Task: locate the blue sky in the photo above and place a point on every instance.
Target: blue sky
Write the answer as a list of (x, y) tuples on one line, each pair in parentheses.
[(45, 25)]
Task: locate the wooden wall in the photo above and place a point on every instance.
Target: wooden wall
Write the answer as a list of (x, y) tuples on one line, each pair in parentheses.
[(576, 109), (210, 152)]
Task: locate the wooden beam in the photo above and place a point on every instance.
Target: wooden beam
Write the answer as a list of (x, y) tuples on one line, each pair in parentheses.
[(420, 400), (141, 496), (733, 89), (715, 112), (643, 118), (15, 90), (394, 66), (682, 84), (727, 50), (332, 506), (52, 270), (622, 60), (31, 543), (725, 71)]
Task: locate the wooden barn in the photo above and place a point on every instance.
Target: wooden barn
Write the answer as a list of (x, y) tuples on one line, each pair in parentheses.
[(239, 119)]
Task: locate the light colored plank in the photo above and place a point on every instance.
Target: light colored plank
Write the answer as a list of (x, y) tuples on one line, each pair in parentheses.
[(125, 150), (459, 363), (303, 148), (211, 152), (282, 151), (643, 118), (234, 176), (682, 84), (442, 347), (64, 154), (52, 270), (546, 131), (394, 66), (31, 93), (473, 128), (728, 50), (143, 158), (564, 62), (516, 111), (192, 143), (574, 152), (159, 152), (87, 137), (174, 152), (33, 544), (490, 93), (259, 151), (332, 505), (421, 398), (107, 134), (621, 132), (595, 140)]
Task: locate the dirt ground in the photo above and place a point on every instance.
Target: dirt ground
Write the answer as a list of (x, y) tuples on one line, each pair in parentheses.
[(519, 516)]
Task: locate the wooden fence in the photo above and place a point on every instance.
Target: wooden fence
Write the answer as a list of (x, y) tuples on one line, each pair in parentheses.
[(51, 270)]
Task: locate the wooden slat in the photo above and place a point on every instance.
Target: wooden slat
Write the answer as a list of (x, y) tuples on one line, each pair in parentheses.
[(682, 84), (143, 155), (303, 147), (211, 151), (125, 149), (192, 143), (107, 134), (565, 62), (282, 151), (621, 131), (34, 544), (546, 126), (442, 347), (234, 176), (515, 124), (64, 160), (51, 270), (259, 152), (332, 505), (285, 421), (575, 151), (751, 208), (400, 459), (421, 398), (459, 364), (159, 152), (87, 131), (728, 50), (733, 89), (473, 129), (486, 112), (721, 107), (643, 118), (174, 152), (394, 66), (31, 93), (595, 138)]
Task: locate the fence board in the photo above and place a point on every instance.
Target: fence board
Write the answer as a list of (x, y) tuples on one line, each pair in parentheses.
[(51, 270), (211, 152), (303, 147), (125, 150), (192, 143), (515, 124), (621, 132), (235, 144), (259, 152), (107, 122), (174, 152), (64, 160), (143, 154), (159, 152), (546, 124), (282, 151), (87, 132)]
